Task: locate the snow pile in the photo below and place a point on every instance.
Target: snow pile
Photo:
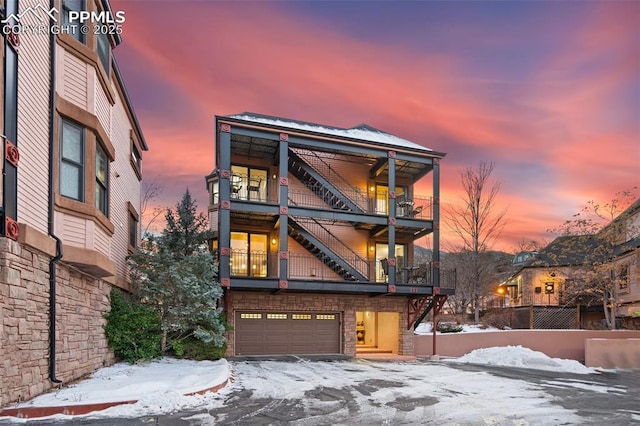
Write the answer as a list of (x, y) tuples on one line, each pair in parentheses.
[(427, 328), (518, 356)]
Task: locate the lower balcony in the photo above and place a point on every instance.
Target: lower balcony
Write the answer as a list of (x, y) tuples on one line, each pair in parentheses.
[(260, 270)]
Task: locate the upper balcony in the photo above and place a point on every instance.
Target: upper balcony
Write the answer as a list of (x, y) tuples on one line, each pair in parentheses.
[(244, 187)]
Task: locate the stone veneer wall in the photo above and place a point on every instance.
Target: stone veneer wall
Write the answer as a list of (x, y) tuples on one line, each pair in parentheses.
[(81, 346), (347, 305)]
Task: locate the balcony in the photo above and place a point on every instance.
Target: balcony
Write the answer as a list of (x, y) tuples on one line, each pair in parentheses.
[(255, 264)]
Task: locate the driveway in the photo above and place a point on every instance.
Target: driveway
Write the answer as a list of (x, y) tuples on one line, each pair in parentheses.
[(302, 392)]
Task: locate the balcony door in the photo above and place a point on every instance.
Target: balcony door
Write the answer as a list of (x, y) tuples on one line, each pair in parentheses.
[(382, 198), (248, 183), (382, 252), (249, 254)]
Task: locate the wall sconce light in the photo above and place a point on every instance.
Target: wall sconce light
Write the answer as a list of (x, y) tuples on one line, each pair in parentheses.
[(372, 188), (273, 241), (274, 176), (372, 248)]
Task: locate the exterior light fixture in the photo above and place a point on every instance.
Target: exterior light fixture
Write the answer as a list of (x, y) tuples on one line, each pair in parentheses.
[(273, 241), (548, 288)]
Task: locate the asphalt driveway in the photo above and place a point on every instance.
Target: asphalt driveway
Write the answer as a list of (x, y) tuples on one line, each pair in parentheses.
[(303, 392)]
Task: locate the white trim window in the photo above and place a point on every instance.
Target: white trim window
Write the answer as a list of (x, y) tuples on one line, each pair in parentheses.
[(102, 180), (76, 30), (72, 160)]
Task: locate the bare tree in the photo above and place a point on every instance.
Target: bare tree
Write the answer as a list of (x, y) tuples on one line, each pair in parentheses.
[(149, 214), (598, 232), (530, 245), (477, 224)]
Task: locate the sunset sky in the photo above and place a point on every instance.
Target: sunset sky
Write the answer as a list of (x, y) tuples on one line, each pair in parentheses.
[(548, 91)]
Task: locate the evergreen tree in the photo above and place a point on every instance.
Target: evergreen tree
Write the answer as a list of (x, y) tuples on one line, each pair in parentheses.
[(175, 274)]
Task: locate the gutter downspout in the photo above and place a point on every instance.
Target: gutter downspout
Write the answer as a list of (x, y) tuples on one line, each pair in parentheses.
[(58, 256)]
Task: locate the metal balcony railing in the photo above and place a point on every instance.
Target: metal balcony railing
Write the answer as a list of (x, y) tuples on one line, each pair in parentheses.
[(414, 207), (423, 275), (248, 263), (246, 188)]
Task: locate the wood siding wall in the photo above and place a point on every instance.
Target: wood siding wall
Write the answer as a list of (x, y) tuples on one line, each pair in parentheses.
[(72, 78), (125, 186), (33, 126), (102, 107), (78, 83)]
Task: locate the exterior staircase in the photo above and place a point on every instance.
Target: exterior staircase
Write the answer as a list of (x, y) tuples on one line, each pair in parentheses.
[(326, 255), (321, 187)]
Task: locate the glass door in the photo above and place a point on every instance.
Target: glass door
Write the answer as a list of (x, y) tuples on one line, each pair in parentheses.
[(382, 255)]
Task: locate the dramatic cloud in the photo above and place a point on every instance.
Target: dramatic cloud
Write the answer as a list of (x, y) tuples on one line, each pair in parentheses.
[(549, 92)]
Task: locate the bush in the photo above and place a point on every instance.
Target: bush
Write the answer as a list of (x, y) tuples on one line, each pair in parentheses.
[(196, 349), (444, 327), (132, 329)]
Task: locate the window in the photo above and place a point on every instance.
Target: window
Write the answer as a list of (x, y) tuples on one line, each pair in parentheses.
[(75, 28), (277, 316), (249, 254), (133, 230), (135, 155), (104, 51), (102, 180), (325, 316), (72, 160), (301, 316), (382, 199), (248, 183), (623, 277), (250, 316), (382, 256), (214, 192)]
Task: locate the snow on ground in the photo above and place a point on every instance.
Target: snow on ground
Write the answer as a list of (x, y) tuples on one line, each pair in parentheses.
[(160, 386), (130, 382), (518, 356), (427, 328)]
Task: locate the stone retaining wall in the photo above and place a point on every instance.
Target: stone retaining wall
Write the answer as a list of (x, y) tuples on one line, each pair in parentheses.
[(81, 346)]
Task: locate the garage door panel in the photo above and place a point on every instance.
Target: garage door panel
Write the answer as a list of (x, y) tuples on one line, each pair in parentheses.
[(287, 333)]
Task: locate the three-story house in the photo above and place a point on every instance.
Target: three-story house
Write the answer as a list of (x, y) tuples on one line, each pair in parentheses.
[(314, 228)]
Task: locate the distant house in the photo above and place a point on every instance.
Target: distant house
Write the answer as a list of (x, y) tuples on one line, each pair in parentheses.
[(553, 277), (314, 230), (70, 200)]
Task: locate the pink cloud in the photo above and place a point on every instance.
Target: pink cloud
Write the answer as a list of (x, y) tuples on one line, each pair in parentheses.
[(223, 61)]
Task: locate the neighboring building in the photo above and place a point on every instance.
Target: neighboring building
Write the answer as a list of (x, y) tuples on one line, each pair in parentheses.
[(70, 199), (553, 277), (314, 230), (626, 268), (537, 290)]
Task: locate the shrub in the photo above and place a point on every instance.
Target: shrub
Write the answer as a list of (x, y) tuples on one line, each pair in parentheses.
[(132, 329), (196, 349), (449, 328)]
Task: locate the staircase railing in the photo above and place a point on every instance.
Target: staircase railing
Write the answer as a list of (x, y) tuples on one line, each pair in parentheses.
[(356, 195), (333, 243)]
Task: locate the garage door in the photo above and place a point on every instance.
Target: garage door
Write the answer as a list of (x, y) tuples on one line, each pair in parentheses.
[(274, 333)]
